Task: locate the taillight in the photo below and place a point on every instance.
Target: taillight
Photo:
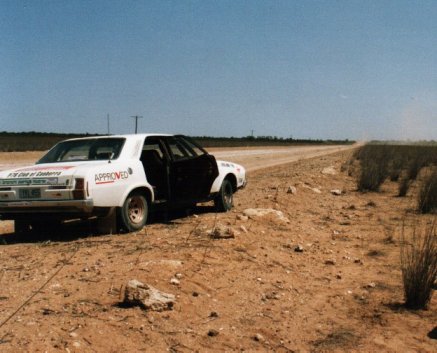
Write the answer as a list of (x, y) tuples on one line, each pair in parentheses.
[(79, 189)]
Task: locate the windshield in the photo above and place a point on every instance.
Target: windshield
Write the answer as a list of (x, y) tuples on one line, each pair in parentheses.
[(84, 150)]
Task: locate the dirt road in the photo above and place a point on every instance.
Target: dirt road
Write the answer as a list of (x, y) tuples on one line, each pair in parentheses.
[(252, 158), (266, 157)]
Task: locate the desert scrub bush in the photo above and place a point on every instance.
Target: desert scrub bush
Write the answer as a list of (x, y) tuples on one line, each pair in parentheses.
[(416, 164), (418, 264), (374, 162), (396, 167), (400, 163), (427, 198), (404, 185)]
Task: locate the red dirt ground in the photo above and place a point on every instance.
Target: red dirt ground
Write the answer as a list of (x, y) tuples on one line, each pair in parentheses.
[(252, 293)]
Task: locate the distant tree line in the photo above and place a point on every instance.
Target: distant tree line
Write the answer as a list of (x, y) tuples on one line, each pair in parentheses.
[(248, 141), (41, 141), (32, 141), (404, 142)]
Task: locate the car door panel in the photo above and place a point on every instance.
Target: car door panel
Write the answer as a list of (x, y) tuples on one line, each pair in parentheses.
[(193, 177), (191, 174)]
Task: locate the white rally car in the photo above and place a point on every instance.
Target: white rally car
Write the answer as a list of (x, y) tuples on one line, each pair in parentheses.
[(124, 175)]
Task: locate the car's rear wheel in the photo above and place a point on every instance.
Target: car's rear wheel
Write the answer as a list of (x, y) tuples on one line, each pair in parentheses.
[(133, 214), (224, 200)]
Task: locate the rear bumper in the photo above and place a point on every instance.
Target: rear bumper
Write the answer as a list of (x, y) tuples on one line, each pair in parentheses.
[(45, 206)]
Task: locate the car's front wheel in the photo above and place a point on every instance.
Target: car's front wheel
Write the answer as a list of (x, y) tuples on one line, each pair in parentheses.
[(133, 214), (224, 200)]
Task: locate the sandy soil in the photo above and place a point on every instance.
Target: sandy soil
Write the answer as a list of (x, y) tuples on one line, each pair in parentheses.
[(260, 158), (341, 291), (18, 159), (253, 158)]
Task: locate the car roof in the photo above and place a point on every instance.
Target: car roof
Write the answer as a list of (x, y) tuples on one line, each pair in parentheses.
[(127, 136)]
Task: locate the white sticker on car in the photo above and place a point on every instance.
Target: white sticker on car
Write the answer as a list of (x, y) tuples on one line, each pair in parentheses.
[(108, 178)]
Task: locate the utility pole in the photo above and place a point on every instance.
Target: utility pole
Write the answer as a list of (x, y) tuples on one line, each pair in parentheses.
[(136, 117), (107, 116)]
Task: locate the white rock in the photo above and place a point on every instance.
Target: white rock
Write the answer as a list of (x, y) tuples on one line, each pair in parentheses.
[(329, 170), (336, 192), (259, 337), (171, 263), (298, 248), (292, 190), (147, 297), (243, 228), (307, 186), (330, 262), (261, 212), (222, 232), (175, 281), (242, 218)]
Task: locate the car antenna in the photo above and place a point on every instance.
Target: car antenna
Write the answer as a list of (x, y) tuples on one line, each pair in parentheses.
[(110, 157)]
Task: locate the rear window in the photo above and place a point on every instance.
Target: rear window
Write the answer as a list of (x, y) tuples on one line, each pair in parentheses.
[(84, 150)]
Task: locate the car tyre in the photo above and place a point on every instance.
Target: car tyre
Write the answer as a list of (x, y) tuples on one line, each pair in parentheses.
[(224, 200), (134, 212)]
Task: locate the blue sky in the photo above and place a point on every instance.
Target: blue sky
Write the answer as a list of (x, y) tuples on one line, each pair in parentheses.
[(307, 69)]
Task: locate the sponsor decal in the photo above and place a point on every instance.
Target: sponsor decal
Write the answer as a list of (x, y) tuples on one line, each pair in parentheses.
[(228, 165), (17, 204), (31, 169), (112, 177), (50, 173), (27, 181), (34, 174)]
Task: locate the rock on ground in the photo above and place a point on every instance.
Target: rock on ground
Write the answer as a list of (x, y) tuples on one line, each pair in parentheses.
[(292, 190), (137, 293), (329, 171), (261, 212), (316, 190), (222, 232)]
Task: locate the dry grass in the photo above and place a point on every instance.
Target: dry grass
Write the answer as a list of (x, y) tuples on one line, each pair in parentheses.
[(418, 263), (427, 199), (402, 164)]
